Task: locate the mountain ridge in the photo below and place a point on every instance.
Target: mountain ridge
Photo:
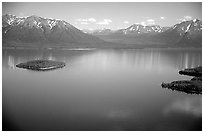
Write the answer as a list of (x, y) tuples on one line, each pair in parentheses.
[(39, 30), (33, 29), (184, 33)]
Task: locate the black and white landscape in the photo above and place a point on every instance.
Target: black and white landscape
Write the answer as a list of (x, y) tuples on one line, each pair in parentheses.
[(101, 66), (54, 32)]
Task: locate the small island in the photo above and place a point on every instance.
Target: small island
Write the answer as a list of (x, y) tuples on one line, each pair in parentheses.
[(193, 86), (41, 65)]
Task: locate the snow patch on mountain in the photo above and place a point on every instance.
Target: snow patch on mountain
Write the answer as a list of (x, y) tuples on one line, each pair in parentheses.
[(188, 27), (34, 21)]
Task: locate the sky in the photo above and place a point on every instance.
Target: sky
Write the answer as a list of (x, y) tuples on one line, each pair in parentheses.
[(111, 15)]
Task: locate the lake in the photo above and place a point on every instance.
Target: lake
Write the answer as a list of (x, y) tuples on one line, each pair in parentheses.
[(100, 90)]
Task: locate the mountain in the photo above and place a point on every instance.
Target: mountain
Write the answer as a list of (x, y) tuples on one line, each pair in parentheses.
[(137, 29), (188, 33), (38, 31), (185, 34), (35, 29)]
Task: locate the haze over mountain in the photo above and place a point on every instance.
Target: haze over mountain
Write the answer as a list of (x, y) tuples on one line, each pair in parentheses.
[(40, 31)]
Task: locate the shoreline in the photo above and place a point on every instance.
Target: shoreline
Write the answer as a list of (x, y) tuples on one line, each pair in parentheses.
[(193, 86)]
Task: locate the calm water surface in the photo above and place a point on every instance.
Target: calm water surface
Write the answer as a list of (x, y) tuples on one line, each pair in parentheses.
[(100, 90)]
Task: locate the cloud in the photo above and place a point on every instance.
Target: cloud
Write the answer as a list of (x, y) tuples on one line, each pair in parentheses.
[(162, 18), (143, 23), (105, 22), (125, 22), (185, 18), (147, 22), (92, 20), (150, 20), (188, 17)]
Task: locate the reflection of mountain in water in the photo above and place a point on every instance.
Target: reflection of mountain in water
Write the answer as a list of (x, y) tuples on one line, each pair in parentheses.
[(139, 58), (144, 59), (11, 62)]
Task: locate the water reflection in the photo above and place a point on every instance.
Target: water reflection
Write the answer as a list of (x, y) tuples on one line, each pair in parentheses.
[(147, 59), (191, 105), (97, 90), (11, 63)]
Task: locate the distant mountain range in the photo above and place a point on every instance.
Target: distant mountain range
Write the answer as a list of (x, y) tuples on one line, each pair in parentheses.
[(35, 30), (188, 33), (134, 29)]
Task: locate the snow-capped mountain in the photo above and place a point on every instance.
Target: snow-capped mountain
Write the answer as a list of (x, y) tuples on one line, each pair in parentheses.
[(34, 22), (191, 27), (136, 29), (140, 29), (185, 33), (37, 29)]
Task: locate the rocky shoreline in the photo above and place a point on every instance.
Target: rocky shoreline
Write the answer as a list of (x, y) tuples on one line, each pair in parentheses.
[(193, 86), (197, 72), (41, 65)]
